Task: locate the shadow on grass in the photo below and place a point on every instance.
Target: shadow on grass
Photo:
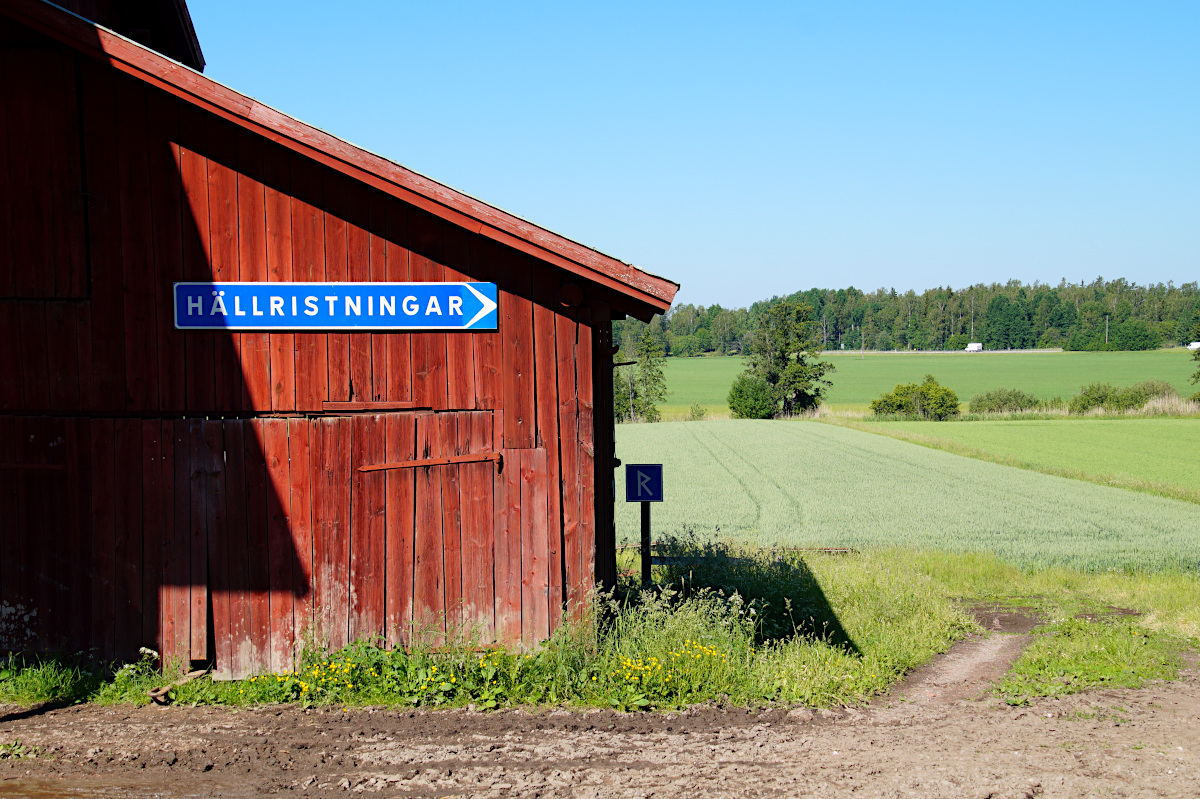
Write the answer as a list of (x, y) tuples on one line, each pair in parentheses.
[(779, 585)]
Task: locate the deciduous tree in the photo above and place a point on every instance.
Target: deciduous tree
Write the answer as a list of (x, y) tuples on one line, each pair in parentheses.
[(783, 354)]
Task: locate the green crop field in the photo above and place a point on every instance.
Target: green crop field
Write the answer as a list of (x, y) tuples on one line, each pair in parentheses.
[(859, 380), (811, 484), (1157, 455)]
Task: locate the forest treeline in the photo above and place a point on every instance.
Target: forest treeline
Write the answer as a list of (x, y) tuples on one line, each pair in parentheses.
[(1102, 315)]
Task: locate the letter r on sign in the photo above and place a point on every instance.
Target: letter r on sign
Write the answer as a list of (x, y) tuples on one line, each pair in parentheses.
[(644, 482)]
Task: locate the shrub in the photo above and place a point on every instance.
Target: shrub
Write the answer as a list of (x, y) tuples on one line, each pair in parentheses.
[(1112, 398), (751, 397), (1003, 400), (697, 412), (926, 400)]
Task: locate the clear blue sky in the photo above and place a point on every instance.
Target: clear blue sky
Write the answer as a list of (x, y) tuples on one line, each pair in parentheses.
[(751, 149)]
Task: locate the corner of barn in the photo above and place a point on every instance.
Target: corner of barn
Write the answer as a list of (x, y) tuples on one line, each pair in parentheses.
[(220, 495)]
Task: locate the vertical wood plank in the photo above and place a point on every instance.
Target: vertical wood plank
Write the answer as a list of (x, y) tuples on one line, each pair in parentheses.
[(83, 349), (394, 382), (566, 331), (223, 254), (400, 445), (154, 519), (331, 534), (177, 569), (428, 571), (258, 585), (29, 87), (360, 250), (278, 210), (34, 360), (69, 219), (301, 527), (102, 457), (377, 343), (35, 500), (516, 329), (166, 203), (545, 356), (104, 239), (127, 539), (193, 175), (217, 527), (460, 357), (584, 354), (478, 530), (77, 544), (368, 556), (337, 270), (137, 253), (308, 264), (280, 554), (53, 431), (487, 346), (534, 572), (323, 464), (507, 517), (200, 482), (44, 172), (235, 555), (429, 376), (6, 200), (10, 523), (255, 346), (343, 532), (454, 431), (12, 395), (62, 356), (604, 447)]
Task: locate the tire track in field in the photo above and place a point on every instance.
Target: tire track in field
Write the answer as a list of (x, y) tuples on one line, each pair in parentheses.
[(737, 477), (797, 508)]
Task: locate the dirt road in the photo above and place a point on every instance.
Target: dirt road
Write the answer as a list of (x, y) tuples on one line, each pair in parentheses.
[(939, 735)]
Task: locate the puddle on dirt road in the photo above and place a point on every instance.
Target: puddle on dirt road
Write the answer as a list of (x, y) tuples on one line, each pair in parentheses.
[(69, 789)]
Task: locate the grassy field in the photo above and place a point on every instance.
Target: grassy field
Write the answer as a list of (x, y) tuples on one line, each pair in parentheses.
[(859, 380), (1154, 455), (812, 484)]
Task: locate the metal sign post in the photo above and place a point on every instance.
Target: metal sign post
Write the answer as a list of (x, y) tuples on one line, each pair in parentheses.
[(644, 484)]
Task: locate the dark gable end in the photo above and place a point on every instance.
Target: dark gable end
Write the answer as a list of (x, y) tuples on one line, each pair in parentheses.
[(164, 26), (627, 289)]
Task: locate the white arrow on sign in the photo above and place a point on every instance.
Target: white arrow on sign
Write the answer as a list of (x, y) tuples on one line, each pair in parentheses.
[(488, 305)]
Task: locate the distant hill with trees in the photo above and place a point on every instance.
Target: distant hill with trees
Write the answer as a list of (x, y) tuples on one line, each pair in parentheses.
[(1101, 315)]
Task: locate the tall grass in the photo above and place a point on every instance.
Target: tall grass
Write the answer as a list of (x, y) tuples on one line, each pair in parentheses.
[(721, 625), (29, 681)]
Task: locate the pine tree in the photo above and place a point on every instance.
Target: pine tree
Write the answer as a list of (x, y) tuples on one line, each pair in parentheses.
[(648, 382)]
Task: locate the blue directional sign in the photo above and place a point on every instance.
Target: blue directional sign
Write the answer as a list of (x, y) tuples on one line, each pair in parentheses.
[(335, 306), (643, 482)]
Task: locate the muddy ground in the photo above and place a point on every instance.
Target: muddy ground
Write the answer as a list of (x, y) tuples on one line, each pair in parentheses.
[(940, 734)]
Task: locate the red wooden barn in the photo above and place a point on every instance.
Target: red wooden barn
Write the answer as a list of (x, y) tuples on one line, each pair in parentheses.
[(203, 492)]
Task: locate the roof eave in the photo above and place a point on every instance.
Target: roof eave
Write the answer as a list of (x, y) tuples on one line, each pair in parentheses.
[(651, 292)]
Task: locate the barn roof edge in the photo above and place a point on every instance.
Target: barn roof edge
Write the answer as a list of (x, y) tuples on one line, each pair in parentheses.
[(652, 292)]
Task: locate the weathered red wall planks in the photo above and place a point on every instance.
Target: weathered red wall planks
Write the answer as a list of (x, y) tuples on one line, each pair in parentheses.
[(210, 504)]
